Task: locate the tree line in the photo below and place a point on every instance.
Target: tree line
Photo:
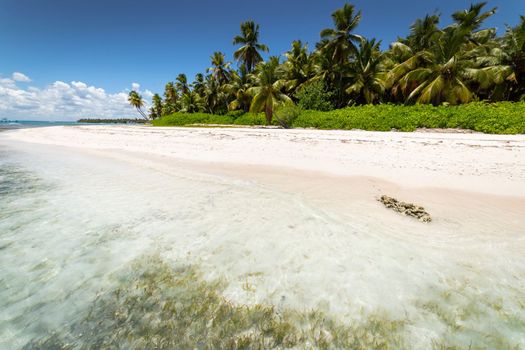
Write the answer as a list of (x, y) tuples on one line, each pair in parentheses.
[(433, 64)]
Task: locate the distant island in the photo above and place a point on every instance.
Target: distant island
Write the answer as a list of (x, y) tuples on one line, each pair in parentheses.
[(112, 121)]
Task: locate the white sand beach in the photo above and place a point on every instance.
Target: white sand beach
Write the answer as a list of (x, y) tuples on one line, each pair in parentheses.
[(293, 215), (483, 163)]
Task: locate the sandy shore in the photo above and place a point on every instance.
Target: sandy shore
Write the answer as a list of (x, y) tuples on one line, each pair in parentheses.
[(472, 179), (493, 164)]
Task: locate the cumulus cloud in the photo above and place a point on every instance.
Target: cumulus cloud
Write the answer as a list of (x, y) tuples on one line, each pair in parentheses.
[(147, 94), (17, 76), (135, 86), (64, 101), (6, 82)]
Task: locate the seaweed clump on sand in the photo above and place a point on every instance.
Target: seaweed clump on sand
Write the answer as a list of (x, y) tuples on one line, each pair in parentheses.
[(157, 306), (408, 209)]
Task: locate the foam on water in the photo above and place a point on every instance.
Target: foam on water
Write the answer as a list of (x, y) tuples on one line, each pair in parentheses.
[(70, 222)]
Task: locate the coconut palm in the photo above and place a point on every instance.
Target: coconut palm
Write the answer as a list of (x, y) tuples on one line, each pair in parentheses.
[(248, 54), (514, 57), (191, 102), (422, 33), (472, 19), (340, 43), (238, 88), (366, 74), (298, 67), (215, 99), (267, 94), (455, 64), (325, 68), (443, 73), (156, 108), (341, 40), (199, 85), (182, 84), (220, 69), (136, 101), (170, 99)]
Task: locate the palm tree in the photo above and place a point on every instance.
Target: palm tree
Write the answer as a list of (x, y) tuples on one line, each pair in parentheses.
[(248, 54), (514, 57), (446, 71), (199, 85), (340, 42), (471, 19), (454, 64), (170, 98), (215, 100), (239, 88), (368, 78), (422, 33), (325, 68), (136, 101), (182, 84), (267, 93), (340, 39), (298, 67), (191, 102), (156, 108), (220, 68)]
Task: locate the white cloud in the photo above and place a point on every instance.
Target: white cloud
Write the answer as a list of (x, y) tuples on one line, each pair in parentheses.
[(148, 94), (6, 82), (135, 86), (64, 101), (17, 76)]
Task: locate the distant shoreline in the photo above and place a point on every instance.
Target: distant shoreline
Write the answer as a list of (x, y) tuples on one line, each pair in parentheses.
[(111, 121)]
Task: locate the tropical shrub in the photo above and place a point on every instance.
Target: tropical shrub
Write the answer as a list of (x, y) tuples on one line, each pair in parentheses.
[(286, 115), (492, 118), (185, 119), (314, 96)]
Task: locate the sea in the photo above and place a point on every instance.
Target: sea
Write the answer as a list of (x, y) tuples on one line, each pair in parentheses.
[(7, 124), (104, 251)]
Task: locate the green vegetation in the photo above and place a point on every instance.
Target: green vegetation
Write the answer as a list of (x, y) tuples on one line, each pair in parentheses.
[(494, 118), (451, 65), (267, 92), (314, 96), (189, 119), (136, 101)]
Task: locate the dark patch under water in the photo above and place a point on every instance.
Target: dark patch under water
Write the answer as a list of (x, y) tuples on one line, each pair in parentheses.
[(157, 306), (15, 180)]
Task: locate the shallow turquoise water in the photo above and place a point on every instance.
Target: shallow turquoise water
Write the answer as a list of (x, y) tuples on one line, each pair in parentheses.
[(70, 223)]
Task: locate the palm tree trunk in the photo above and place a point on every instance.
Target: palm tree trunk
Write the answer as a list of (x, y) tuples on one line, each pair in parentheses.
[(142, 114), (269, 114), (340, 90)]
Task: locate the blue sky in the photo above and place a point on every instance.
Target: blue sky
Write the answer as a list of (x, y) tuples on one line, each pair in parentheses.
[(109, 45)]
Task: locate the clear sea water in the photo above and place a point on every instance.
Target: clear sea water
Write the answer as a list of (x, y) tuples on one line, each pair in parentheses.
[(70, 223), (4, 125)]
